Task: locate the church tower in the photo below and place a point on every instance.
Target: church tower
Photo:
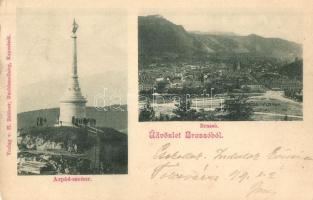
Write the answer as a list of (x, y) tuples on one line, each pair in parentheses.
[(72, 104)]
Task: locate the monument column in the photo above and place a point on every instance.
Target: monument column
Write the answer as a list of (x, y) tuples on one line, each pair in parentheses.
[(73, 104), (74, 64)]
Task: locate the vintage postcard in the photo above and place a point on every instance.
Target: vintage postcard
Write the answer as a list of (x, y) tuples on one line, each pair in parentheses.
[(72, 114), (158, 100), (218, 72)]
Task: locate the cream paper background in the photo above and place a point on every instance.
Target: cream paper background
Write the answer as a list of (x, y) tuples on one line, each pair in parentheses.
[(293, 179)]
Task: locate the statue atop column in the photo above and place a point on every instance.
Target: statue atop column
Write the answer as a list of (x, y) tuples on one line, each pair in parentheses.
[(75, 27), (73, 103)]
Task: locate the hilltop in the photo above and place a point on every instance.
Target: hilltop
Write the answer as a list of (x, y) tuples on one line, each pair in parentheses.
[(110, 118)]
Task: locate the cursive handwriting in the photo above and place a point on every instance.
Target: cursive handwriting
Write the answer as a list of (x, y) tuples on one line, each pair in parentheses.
[(285, 154), (258, 189), (222, 154), (172, 171), (164, 153), (184, 166), (278, 153)]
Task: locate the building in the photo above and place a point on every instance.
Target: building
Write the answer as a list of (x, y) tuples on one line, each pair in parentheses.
[(73, 103)]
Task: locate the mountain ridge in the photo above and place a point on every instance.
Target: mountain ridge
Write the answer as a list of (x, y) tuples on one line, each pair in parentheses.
[(161, 39), (34, 96)]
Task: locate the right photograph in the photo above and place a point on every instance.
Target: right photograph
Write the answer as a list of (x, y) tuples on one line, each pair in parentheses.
[(220, 67)]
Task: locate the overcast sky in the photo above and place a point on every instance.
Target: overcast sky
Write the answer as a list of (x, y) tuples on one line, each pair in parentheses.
[(44, 43), (286, 25)]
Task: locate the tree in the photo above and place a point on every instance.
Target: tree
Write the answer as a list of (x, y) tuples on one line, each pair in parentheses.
[(147, 113), (163, 117), (206, 115), (161, 86), (237, 109), (286, 118), (183, 110)]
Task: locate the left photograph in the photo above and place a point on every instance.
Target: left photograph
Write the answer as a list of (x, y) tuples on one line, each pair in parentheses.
[(71, 85)]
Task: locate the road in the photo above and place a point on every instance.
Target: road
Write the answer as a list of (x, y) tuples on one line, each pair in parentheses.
[(276, 95), (281, 115)]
